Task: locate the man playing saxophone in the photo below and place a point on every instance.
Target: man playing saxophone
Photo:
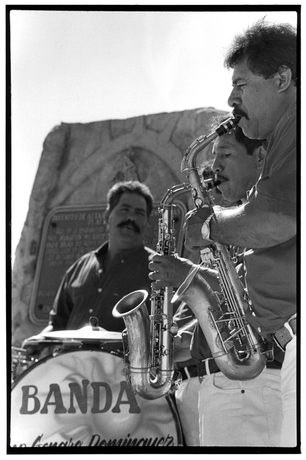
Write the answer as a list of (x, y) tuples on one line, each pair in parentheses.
[(264, 77), (208, 402)]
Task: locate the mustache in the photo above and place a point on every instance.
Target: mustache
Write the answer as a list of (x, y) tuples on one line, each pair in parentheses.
[(130, 223), (240, 113)]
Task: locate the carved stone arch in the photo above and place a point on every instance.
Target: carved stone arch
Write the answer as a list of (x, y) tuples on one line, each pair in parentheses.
[(135, 163)]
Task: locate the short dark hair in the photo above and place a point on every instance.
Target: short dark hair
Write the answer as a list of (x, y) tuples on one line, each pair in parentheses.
[(132, 186), (250, 144), (266, 47)]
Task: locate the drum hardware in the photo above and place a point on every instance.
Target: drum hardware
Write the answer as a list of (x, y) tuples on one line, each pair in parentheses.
[(20, 361), (94, 323)]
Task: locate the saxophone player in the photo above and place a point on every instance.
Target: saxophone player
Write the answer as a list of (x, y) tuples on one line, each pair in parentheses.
[(207, 400), (264, 80)]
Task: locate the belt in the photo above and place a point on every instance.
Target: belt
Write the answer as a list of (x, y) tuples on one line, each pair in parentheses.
[(200, 369), (286, 333), (207, 366)]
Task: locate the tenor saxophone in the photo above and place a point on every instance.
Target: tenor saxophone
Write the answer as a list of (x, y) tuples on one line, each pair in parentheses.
[(239, 351), (148, 339)]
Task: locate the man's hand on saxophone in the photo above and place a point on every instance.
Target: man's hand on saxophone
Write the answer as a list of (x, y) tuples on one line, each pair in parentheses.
[(168, 270), (172, 271), (196, 228)]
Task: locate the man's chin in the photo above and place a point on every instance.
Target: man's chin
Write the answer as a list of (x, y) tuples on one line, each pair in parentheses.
[(128, 232), (248, 129), (222, 188), (230, 200), (130, 235), (129, 242)]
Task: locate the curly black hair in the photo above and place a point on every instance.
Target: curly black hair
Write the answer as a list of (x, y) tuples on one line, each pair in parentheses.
[(267, 47)]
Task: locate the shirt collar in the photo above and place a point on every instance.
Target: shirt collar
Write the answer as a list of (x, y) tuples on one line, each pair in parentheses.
[(102, 251)]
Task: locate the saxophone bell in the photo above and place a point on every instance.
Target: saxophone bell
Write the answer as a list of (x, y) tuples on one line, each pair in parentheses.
[(238, 351), (147, 381)]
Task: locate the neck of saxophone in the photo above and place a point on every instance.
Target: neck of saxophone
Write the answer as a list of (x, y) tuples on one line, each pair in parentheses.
[(189, 159)]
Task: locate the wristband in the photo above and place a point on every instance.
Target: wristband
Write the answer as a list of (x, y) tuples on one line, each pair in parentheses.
[(205, 230)]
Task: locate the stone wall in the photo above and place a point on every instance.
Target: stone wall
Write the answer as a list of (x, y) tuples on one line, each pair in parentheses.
[(78, 165)]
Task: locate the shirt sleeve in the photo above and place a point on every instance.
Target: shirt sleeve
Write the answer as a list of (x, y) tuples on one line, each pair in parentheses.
[(62, 307), (276, 189)]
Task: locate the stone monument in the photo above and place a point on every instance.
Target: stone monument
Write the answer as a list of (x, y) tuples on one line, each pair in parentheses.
[(78, 165)]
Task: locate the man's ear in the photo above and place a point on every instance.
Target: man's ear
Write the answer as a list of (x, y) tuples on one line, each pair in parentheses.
[(285, 78), (106, 216), (260, 155)]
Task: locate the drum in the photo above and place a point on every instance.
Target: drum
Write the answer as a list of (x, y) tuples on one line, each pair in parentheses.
[(81, 398)]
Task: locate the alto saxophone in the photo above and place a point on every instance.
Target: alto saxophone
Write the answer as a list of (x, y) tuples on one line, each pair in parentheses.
[(237, 348), (148, 339)]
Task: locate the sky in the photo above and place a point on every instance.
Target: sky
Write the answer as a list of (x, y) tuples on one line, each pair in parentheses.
[(84, 66)]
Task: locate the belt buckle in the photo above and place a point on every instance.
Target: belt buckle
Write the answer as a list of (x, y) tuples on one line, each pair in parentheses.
[(187, 372), (289, 328), (206, 370)]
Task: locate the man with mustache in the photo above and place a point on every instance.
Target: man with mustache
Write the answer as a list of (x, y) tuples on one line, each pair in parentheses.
[(99, 279), (208, 402), (264, 79)]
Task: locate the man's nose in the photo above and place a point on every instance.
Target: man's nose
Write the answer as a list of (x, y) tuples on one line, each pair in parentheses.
[(217, 166), (132, 214), (131, 217), (234, 98)]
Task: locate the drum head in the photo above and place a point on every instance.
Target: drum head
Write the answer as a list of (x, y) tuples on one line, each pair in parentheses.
[(81, 398)]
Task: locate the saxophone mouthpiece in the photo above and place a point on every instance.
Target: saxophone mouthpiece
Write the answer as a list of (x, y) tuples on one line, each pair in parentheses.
[(211, 183), (236, 119), (228, 125), (210, 178)]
